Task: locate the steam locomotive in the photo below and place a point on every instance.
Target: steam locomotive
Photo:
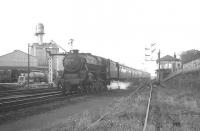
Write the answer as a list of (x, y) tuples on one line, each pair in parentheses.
[(86, 72)]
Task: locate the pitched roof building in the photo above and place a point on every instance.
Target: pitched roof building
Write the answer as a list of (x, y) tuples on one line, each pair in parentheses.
[(17, 59), (168, 64), (168, 58)]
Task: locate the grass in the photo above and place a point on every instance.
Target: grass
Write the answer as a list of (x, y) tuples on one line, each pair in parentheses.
[(179, 109), (123, 114)]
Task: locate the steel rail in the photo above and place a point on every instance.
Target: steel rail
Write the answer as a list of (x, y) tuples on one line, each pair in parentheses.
[(19, 102), (15, 101), (7, 114), (29, 102), (4, 114), (28, 99), (147, 112), (24, 99), (24, 91), (2, 100)]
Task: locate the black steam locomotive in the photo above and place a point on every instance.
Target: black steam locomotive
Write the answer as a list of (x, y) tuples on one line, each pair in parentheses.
[(86, 72)]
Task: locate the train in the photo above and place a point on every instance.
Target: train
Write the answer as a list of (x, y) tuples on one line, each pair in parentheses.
[(87, 72), (20, 76), (8, 76)]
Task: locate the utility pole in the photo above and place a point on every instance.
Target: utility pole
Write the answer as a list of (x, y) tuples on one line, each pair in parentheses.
[(28, 64), (159, 66)]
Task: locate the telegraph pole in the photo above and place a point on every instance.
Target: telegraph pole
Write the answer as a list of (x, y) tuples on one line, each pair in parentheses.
[(28, 65), (159, 66)]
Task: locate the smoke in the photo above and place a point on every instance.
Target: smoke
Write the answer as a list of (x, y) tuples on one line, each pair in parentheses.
[(118, 85)]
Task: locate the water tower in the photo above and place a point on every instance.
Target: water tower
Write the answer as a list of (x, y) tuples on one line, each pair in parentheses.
[(39, 33)]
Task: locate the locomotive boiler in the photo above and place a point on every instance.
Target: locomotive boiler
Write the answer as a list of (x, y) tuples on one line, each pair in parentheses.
[(86, 72)]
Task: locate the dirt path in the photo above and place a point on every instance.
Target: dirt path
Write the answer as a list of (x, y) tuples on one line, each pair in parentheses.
[(62, 110)]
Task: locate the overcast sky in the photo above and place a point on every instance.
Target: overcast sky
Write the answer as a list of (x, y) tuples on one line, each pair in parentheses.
[(115, 29)]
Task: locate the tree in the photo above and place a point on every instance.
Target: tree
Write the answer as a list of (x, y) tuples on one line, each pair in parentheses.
[(189, 55)]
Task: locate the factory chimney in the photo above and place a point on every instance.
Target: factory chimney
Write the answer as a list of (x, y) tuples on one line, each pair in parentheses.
[(39, 33)]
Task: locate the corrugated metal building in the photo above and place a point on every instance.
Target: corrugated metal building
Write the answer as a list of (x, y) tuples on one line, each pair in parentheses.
[(14, 63), (17, 59)]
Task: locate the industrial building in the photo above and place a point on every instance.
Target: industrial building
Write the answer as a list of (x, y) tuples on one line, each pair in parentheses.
[(16, 62), (42, 51), (17, 59)]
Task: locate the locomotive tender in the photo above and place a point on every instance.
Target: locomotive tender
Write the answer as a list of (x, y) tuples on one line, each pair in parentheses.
[(86, 72)]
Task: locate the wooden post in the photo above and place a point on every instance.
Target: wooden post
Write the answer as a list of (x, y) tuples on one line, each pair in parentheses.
[(28, 65), (159, 66)]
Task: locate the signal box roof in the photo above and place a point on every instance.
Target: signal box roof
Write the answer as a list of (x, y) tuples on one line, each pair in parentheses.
[(168, 58)]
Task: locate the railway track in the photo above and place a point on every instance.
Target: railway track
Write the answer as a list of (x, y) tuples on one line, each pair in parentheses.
[(12, 103), (161, 116), (154, 113), (148, 107), (17, 99), (15, 102), (25, 91), (8, 106)]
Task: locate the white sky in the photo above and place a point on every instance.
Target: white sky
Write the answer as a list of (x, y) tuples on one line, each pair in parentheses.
[(115, 29)]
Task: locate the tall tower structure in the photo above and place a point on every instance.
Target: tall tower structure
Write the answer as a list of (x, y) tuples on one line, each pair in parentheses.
[(39, 33), (39, 50)]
